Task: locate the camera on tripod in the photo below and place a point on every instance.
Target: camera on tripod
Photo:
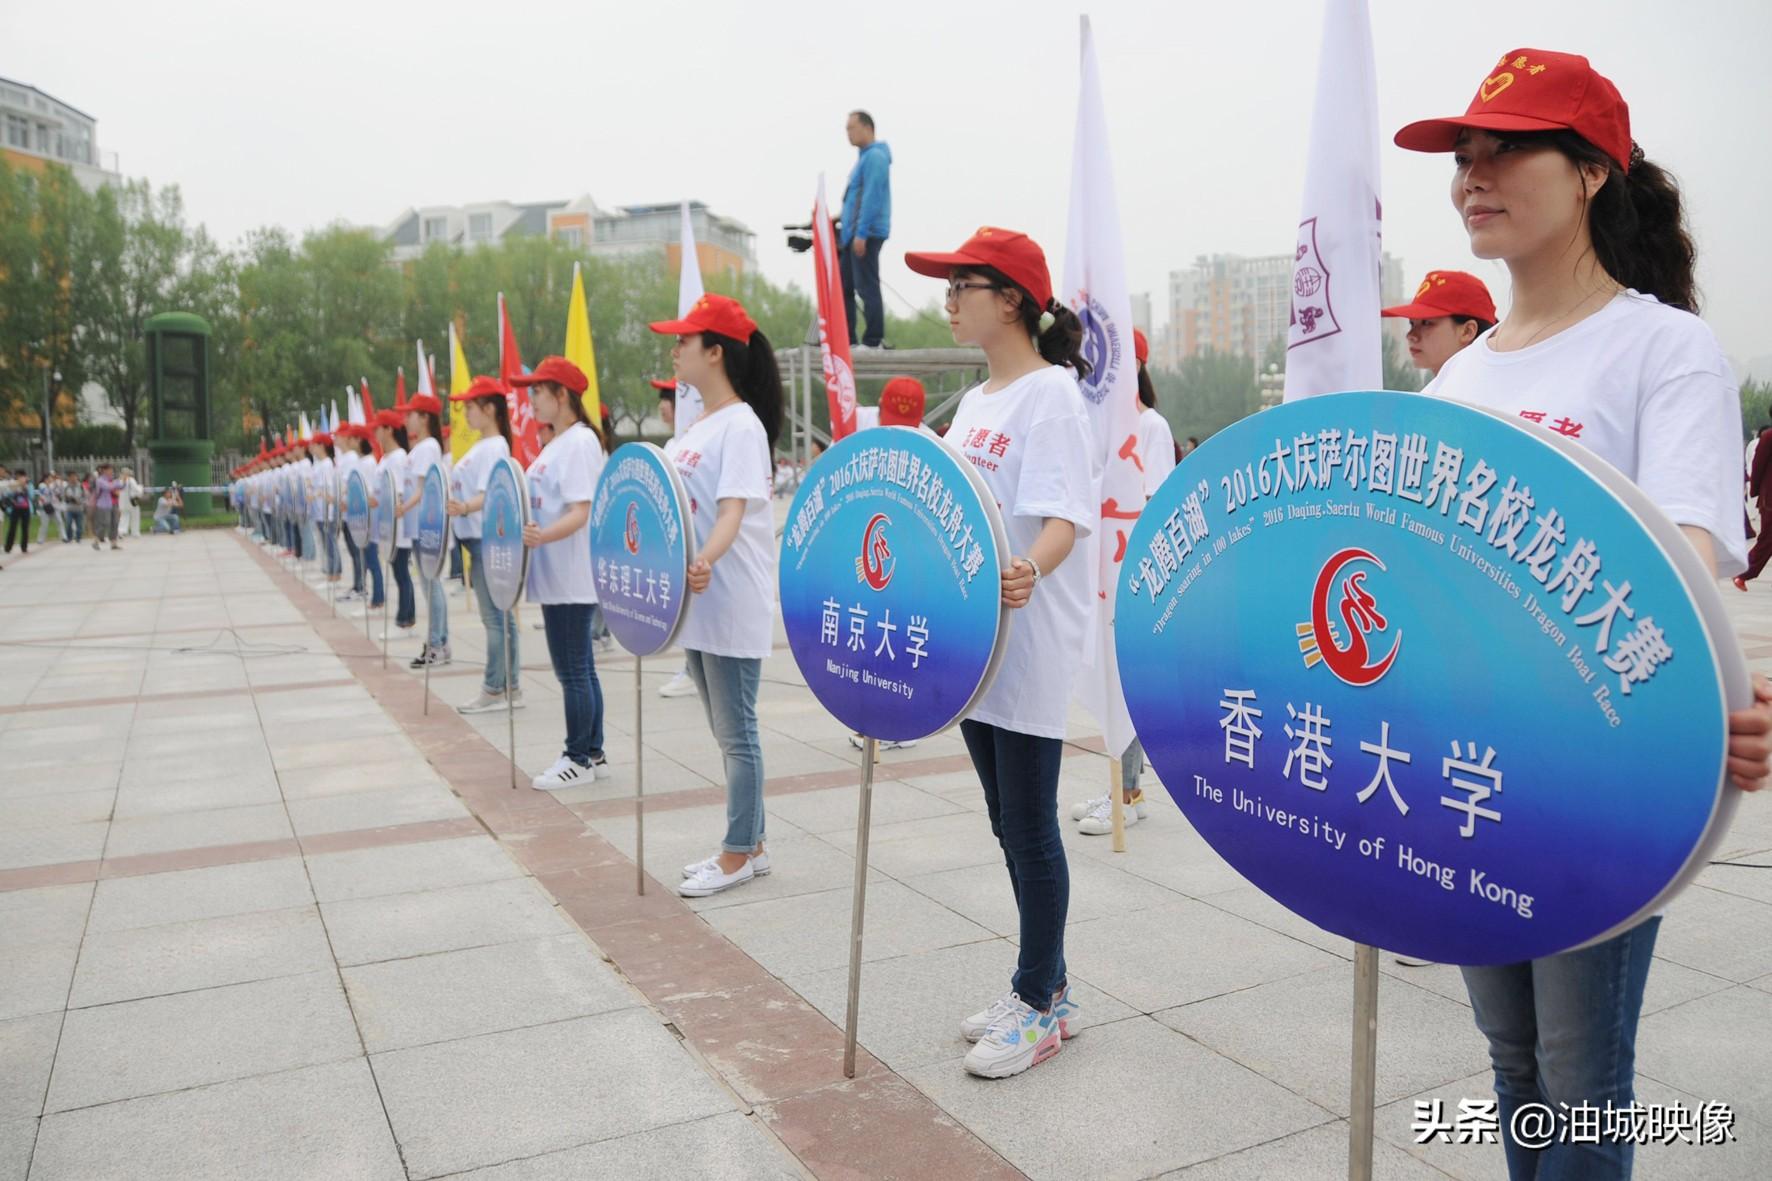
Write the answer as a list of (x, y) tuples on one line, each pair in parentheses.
[(800, 236)]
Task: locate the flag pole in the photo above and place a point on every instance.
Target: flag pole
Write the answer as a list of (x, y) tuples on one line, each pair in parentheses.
[(870, 751), (1116, 789), (1364, 1089)]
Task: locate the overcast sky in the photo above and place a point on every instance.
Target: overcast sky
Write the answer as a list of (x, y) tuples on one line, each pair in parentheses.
[(306, 114)]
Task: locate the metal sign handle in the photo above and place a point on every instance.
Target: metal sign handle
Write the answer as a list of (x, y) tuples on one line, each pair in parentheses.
[(639, 782), (1365, 1066), (864, 809)]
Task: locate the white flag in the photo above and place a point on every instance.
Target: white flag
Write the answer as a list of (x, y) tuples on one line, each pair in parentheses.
[(424, 372), (1335, 339), (688, 291), (1095, 288)]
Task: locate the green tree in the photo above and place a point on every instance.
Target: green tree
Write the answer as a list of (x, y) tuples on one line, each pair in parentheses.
[(1400, 372), (1209, 392), (1756, 407)]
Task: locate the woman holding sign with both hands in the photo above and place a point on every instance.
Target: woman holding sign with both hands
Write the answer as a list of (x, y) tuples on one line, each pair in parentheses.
[(489, 414), (1602, 338), (1027, 433), (424, 425)]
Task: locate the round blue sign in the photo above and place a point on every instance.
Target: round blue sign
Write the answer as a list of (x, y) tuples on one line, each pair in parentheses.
[(640, 539), (386, 522), (504, 560), (1434, 679), (430, 531), (891, 588), (357, 509)]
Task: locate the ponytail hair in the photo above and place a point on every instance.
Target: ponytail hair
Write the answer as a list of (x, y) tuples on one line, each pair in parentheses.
[(1060, 341), (1636, 220), (434, 427), (1147, 392), (500, 409), (751, 368), (400, 437)]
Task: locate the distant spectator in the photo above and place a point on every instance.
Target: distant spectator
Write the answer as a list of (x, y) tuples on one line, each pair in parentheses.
[(166, 512), (107, 490), (15, 499), (866, 223)]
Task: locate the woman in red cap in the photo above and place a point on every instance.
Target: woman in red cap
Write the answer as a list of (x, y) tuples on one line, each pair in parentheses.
[(489, 413), (1603, 345), (1156, 458), (723, 457), (1027, 432), (1450, 309), (424, 426), (320, 500), (562, 480), (390, 433)]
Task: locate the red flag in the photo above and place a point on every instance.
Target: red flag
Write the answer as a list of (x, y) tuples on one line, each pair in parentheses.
[(369, 418), (833, 322), (525, 431), (400, 388)]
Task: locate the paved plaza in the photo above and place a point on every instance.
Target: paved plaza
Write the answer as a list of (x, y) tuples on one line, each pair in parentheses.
[(264, 916)]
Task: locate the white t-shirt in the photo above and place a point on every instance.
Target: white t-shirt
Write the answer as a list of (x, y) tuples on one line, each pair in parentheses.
[(320, 488), (564, 474), (724, 455), (427, 454), (1156, 449), (468, 479), (1031, 442), (1643, 386), (392, 461)]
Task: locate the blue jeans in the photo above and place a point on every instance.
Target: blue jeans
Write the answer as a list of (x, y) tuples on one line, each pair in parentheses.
[(330, 538), (728, 689), (568, 628), (166, 524), (1563, 1029), (1020, 777), (356, 561), (861, 279), (372, 562), (499, 630), (405, 610), (1131, 766), (436, 613)]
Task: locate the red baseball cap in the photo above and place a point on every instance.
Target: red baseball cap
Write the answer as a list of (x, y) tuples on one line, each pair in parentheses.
[(481, 387), (663, 385), (1141, 348), (1008, 251), (1447, 293), (391, 418), (1536, 90), (712, 313), (558, 370), (324, 439), (424, 404), (901, 402)]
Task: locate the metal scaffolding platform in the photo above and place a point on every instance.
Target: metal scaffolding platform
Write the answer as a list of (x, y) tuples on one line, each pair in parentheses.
[(945, 373)]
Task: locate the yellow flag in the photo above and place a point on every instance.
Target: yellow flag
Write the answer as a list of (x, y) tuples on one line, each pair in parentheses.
[(461, 435), (578, 346)]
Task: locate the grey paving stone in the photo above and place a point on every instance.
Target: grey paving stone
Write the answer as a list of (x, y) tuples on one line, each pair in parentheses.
[(455, 994), (171, 1042), (982, 893), (36, 978), (203, 953), (376, 774), (1723, 934), (139, 797), (1317, 1154), (40, 811), (833, 810), (71, 775), (364, 930), (17, 1137), (27, 1051), (726, 1145), (911, 1006), (47, 914), (52, 844), (1163, 957), (196, 830), (187, 895), (374, 809), (811, 932), (300, 1125), (408, 869), (1714, 1047), (490, 1099), (1158, 1099), (1298, 1031), (928, 845)]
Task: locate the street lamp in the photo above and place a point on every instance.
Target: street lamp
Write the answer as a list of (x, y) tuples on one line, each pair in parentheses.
[(49, 416)]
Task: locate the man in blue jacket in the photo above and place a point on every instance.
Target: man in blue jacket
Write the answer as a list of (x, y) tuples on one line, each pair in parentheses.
[(866, 223)]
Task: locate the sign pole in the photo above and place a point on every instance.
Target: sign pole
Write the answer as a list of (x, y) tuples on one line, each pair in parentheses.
[(639, 782), (427, 685), (870, 751), (1117, 788), (386, 608), (1365, 1072), (369, 580), (510, 704)]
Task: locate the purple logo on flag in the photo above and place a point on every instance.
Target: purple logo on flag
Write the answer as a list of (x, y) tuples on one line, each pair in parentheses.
[(1101, 347), (1313, 315)]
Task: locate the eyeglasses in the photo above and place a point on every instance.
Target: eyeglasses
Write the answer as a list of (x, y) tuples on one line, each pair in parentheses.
[(956, 286)]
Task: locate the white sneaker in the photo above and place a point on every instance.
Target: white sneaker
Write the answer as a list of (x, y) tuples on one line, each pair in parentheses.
[(974, 1027), (759, 864), (855, 743), (709, 880), (678, 686), (562, 775), (1022, 1037), (1083, 808), (487, 703), (1100, 821)]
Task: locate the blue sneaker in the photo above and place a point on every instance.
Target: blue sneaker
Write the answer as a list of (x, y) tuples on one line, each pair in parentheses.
[(1066, 1009), (1020, 1038)]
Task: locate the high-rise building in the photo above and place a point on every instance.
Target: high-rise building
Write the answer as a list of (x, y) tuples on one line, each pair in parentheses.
[(1237, 304), (37, 130), (723, 244)]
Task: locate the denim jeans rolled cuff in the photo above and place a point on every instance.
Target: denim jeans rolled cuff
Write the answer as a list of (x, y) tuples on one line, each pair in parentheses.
[(372, 563), (436, 613), (728, 689), (1132, 765), (1019, 773), (568, 629), (1563, 1030), (356, 560), (500, 631), (405, 609)]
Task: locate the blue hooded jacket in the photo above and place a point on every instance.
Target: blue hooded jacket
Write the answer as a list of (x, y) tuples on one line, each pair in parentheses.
[(867, 201)]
